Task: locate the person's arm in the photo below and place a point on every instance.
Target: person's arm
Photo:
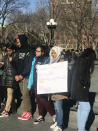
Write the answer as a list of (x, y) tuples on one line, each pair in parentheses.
[(13, 60), (1, 64), (26, 71), (84, 74), (28, 64), (30, 82)]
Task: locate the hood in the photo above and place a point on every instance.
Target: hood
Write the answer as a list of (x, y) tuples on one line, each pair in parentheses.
[(58, 50), (23, 40)]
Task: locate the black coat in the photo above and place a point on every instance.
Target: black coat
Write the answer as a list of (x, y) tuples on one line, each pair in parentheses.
[(19, 60), (80, 80), (8, 78), (28, 64)]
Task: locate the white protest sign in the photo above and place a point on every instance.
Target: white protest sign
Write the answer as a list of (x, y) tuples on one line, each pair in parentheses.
[(52, 78)]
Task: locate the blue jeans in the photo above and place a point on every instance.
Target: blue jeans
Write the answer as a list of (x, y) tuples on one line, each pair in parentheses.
[(82, 115), (59, 112)]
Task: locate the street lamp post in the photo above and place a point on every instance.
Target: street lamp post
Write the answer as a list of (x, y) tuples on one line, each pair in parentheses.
[(51, 24)]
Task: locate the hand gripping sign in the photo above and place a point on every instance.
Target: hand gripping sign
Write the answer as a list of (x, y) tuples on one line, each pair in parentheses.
[(52, 78)]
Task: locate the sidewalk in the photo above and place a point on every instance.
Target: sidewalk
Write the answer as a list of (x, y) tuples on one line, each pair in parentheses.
[(11, 123)]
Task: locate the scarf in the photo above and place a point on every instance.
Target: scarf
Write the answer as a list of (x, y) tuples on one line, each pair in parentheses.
[(58, 51)]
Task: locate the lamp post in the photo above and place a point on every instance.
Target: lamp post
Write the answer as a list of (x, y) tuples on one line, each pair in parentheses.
[(51, 24)]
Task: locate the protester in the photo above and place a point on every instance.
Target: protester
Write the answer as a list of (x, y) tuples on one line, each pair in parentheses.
[(42, 100), (21, 53), (81, 71), (27, 96), (8, 79), (20, 62), (56, 56), (1, 86)]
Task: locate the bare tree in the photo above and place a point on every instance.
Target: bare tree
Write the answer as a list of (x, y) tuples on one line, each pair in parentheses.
[(42, 7), (31, 23), (74, 20), (8, 7), (42, 4)]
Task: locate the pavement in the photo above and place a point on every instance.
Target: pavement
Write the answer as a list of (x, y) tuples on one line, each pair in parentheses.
[(11, 123)]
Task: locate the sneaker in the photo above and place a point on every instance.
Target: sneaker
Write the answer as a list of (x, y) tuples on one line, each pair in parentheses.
[(27, 116), (53, 125), (24, 113), (38, 120), (57, 129), (4, 114)]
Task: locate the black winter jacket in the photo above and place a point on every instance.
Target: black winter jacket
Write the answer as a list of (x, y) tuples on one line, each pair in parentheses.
[(8, 78), (28, 63), (19, 60), (80, 80)]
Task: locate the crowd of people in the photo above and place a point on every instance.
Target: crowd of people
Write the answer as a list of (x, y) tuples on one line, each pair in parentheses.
[(18, 73)]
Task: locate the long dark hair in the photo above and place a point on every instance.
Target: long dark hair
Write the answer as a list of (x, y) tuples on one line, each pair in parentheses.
[(90, 56)]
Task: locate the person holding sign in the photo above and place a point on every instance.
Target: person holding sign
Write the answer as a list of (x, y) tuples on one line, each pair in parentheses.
[(42, 100), (56, 56)]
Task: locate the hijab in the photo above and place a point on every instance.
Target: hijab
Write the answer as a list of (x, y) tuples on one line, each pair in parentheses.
[(58, 51)]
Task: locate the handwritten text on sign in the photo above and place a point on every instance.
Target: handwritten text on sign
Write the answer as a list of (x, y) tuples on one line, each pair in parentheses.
[(52, 78)]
